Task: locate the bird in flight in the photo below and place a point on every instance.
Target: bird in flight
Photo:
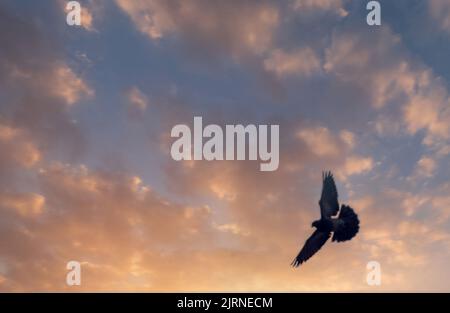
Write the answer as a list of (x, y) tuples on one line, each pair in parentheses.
[(344, 227)]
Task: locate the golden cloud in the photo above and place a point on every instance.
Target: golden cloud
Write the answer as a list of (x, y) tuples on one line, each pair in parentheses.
[(238, 28), (299, 62)]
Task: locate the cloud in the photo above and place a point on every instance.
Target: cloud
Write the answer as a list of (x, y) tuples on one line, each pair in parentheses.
[(440, 11), (234, 28), (393, 237), (66, 85), (233, 228), (321, 141), (391, 77), (39, 86), (337, 147), (355, 165), (109, 221), (18, 148), (335, 6), (137, 99), (430, 111), (351, 58), (87, 19), (27, 205), (426, 166), (299, 62), (348, 138), (222, 189)]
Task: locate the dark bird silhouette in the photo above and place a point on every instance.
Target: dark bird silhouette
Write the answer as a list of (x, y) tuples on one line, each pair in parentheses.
[(344, 227)]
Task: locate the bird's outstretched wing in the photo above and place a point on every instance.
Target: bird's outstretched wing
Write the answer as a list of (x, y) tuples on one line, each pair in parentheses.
[(328, 202), (346, 226), (312, 245)]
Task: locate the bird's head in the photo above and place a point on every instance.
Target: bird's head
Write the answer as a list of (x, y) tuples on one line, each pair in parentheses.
[(315, 224)]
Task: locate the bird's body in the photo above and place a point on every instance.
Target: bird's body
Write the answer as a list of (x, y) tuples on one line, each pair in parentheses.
[(344, 227), (324, 224)]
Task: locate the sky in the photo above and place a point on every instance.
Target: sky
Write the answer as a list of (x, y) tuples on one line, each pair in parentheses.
[(86, 173)]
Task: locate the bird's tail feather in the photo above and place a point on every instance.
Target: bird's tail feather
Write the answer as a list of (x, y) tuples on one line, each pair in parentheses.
[(349, 225)]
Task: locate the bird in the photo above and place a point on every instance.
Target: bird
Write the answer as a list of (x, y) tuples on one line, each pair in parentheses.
[(344, 227)]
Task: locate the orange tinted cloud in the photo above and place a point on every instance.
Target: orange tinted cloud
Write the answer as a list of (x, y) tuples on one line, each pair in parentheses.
[(300, 62), (238, 28)]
